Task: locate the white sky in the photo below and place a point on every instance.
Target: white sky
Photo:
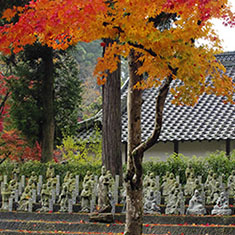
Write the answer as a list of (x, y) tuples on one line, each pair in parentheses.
[(227, 34)]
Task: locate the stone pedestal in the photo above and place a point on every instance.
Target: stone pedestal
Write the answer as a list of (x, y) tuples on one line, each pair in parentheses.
[(101, 217)]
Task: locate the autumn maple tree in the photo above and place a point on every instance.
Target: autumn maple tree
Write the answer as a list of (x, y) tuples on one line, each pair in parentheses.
[(161, 40), (12, 145)]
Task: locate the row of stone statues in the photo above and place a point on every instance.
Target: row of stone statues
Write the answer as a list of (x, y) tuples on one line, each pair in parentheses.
[(212, 192), (103, 193), (35, 191)]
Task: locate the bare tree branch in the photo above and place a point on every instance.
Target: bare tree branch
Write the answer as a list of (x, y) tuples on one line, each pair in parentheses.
[(160, 101)]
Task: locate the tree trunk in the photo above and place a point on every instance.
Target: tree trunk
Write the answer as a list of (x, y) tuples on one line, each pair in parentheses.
[(48, 125), (111, 123), (134, 188)]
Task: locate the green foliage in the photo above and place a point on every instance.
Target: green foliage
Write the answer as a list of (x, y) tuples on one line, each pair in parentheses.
[(177, 164), (218, 162), (67, 95), (28, 167), (86, 55), (6, 168), (39, 168), (87, 151), (26, 100)]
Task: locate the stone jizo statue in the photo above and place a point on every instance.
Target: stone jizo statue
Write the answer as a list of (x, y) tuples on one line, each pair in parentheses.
[(103, 192), (190, 185), (196, 206), (64, 199), (173, 203), (222, 206), (24, 200), (168, 185), (150, 204), (50, 172), (231, 184), (86, 178), (6, 193), (86, 199), (45, 196)]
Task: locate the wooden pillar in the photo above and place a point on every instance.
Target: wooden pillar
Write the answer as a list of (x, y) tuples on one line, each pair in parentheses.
[(125, 144), (228, 147), (176, 147)]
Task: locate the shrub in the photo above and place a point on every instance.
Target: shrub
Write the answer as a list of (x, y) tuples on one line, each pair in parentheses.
[(177, 164), (88, 151)]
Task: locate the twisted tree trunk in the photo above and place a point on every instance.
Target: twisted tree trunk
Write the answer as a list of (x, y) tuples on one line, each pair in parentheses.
[(136, 149), (134, 188)]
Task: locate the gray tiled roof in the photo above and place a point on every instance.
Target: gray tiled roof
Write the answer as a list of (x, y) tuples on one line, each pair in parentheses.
[(209, 119)]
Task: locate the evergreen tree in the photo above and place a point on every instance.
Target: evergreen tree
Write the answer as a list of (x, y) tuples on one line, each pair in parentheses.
[(27, 94)]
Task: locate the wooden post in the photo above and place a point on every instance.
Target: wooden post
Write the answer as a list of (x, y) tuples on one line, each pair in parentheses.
[(176, 147), (228, 147)]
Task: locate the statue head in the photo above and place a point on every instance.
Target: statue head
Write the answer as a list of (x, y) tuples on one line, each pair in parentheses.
[(222, 194), (30, 181), (210, 172), (191, 174), (103, 170), (196, 193), (214, 176)]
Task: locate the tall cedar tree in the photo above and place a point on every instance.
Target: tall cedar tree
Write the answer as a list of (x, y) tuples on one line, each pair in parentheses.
[(111, 120)]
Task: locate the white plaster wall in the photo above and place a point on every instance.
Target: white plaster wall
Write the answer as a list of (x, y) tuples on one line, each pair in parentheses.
[(161, 151)]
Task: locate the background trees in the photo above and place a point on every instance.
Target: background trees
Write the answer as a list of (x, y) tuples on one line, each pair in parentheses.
[(27, 95), (86, 55), (44, 105)]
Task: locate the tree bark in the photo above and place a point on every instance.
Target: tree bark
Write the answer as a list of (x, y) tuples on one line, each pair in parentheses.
[(134, 188), (111, 123), (136, 149), (48, 125), (159, 106)]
